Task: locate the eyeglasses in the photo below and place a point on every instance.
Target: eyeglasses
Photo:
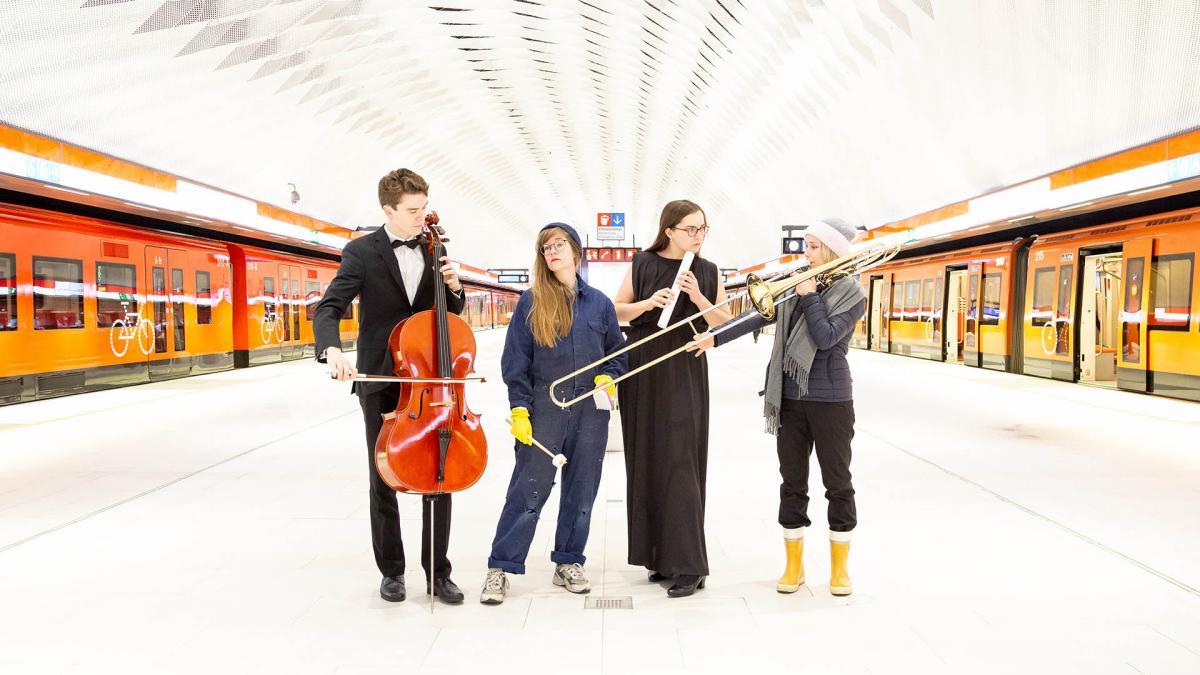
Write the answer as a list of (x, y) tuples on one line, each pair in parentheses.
[(693, 231), (556, 246)]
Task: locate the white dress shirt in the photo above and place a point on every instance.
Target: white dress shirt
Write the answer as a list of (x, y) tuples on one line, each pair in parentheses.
[(412, 266)]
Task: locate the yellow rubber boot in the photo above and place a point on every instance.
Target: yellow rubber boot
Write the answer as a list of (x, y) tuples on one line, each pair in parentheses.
[(839, 551), (793, 573)]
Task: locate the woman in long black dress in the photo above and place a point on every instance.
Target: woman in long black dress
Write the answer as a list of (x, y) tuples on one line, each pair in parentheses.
[(664, 410)]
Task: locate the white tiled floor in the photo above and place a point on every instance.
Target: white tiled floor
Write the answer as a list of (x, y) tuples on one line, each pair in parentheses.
[(218, 524)]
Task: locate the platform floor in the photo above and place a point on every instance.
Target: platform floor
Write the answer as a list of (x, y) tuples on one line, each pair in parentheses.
[(219, 525)]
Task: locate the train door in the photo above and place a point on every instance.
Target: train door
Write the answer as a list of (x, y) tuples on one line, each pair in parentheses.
[(972, 349), (955, 326), (312, 296), (1098, 319), (1133, 364), (1063, 368), (271, 321), (168, 358), (938, 315), (889, 312), (875, 318), (289, 311)]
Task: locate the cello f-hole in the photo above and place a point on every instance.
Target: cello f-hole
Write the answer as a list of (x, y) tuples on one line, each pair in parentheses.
[(421, 405)]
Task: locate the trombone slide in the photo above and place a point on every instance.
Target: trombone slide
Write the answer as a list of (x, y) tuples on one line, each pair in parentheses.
[(765, 295)]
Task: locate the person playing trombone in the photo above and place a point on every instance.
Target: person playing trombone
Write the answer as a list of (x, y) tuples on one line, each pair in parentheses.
[(558, 323), (809, 400), (664, 413)]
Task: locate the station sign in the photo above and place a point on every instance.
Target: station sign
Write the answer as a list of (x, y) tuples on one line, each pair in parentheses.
[(610, 226), (610, 254), (512, 278)]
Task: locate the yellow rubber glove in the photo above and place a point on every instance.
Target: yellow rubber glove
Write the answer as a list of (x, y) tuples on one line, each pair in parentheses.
[(602, 380), (522, 428)]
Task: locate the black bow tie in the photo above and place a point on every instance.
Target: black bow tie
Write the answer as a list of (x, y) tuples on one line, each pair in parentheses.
[(411, 243)]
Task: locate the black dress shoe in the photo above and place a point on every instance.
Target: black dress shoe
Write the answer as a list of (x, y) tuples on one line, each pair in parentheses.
[(654, 577), (448, 591), (392, 589), (685, 585)]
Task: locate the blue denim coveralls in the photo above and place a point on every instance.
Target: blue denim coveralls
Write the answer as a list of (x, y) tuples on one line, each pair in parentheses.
[(579, 432)]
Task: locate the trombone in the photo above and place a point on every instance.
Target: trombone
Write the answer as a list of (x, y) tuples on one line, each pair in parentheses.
[(765, 296)]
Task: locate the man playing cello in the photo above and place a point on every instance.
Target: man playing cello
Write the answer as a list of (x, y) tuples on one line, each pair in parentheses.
[(392, 275)]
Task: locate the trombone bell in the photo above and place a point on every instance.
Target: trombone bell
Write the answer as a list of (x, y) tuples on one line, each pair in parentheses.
[(761, 296), (765, 294)]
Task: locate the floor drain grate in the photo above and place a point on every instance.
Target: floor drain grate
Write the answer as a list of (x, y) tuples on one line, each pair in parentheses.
[(614, 602)]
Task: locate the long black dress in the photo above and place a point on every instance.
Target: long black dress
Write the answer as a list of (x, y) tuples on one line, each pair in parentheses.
[(664, 422)]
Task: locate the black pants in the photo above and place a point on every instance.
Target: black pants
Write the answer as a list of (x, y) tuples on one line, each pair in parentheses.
[(385, 515), (830, 426)]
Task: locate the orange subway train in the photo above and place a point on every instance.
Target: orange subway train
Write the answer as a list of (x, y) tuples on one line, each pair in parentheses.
[(88, 304), (1109, 305)]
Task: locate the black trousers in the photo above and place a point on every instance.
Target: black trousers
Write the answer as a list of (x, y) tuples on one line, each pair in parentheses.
[(385, 514), (830, 427)]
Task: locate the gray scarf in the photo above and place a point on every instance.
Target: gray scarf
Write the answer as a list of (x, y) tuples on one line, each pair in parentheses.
[(794, 349)]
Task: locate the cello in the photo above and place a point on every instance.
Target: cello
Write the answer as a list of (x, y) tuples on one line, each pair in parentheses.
[(432, 443)]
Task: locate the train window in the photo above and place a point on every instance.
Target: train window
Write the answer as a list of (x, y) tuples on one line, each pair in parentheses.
[(158, 306), (204, 299), (897, 301), (926, 299), (938, 294), (479, 313), (116, 294), (295, 308), (1170, 292), (991, 300), (507, 304), (912, 301), (972, 303), (1043, 296), (177, 295), (312, 295), (1131, 336), (8, 291), (284, 307), (268, 298), (57, 293)]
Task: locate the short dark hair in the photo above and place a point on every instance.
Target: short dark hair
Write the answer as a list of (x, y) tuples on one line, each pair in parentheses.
[(398, 183)]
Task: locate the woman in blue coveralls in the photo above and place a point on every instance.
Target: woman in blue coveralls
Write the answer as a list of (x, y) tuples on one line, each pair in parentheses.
[(559, 325)]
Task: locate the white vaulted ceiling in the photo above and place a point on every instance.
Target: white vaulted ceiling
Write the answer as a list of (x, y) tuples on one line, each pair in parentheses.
[(520, 112)]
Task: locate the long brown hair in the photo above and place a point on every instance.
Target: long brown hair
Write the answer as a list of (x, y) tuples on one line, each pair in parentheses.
[(672, 214), (550, 316)]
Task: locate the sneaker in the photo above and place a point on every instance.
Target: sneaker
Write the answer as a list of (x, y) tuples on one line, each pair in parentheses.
[(495, 587), (572, 578)]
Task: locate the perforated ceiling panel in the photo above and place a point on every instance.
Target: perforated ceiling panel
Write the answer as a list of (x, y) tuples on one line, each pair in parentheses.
[(766, 112)]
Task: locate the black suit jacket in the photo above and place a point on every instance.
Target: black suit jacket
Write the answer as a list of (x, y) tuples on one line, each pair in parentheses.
[(369, 271)]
